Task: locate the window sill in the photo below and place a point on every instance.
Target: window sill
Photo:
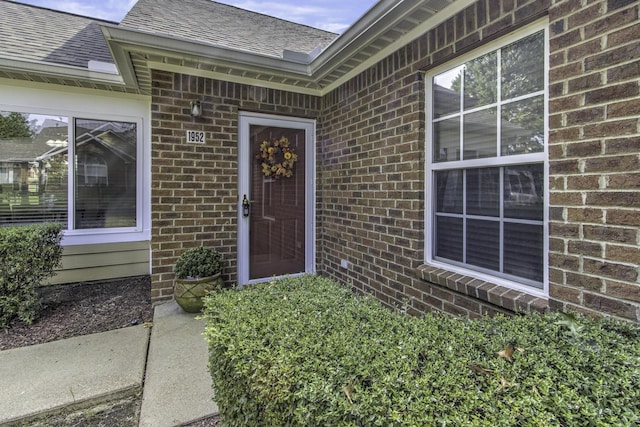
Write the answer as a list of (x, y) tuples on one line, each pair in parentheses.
[(509, 299)]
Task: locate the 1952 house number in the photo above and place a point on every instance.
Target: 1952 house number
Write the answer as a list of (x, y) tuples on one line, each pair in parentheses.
[(195, 137)]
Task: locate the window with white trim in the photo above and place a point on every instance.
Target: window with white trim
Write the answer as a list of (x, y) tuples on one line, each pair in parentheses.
[(486, 168), (98, 190)]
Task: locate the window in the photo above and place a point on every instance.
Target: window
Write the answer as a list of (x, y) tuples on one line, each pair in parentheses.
[(106, 155), (34, 164), (36, 174), (486, 170)]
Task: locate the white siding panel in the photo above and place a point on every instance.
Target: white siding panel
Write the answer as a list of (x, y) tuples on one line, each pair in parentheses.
[(83, 263)]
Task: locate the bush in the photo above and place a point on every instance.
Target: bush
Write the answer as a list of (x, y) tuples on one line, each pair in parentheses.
[(198, 262), (29, 255), (306, 352)]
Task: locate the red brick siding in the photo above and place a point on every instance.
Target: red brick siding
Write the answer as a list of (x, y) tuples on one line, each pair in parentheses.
[(372, 178), (194, 187), (595, 157), (371, 201)]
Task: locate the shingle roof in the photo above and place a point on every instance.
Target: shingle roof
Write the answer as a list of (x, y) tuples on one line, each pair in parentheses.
[(22, 149), (35, 33), (220, 24)]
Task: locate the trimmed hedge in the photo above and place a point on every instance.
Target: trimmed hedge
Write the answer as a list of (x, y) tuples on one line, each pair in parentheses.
[(28, 256), (306, 352)]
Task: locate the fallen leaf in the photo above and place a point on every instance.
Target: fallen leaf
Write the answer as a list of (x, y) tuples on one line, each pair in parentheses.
[(348, 390), (507, 352), (148, 325), (480, 369)]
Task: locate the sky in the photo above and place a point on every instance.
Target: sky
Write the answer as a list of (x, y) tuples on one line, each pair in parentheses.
[(331, 15)]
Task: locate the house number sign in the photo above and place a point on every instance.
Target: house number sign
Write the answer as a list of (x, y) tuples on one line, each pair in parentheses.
[(195, 137)]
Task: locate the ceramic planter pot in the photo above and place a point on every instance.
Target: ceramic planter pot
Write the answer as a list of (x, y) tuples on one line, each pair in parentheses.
[(188, 293)]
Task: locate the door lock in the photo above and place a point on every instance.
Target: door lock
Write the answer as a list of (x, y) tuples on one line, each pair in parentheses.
[(246, 206)]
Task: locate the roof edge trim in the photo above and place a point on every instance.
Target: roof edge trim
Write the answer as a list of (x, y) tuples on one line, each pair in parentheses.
[(59, 70), (407, 38), (136, 39)]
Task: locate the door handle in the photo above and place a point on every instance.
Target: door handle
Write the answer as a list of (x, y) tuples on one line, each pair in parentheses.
[(246, 206)]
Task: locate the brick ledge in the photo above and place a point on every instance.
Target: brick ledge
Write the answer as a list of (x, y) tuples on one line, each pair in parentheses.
[(507, 298)]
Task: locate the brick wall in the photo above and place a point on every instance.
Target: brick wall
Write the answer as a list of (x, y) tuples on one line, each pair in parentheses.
[(194, 186), (372, 165), (370, 174), (594, 145), (372, 180)]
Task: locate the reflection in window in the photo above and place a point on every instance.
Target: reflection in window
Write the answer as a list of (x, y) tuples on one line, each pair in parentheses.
[(33, 168), (488, 205), (483, 191), (523, 126), (476, 83), (447, 145), (446, 92), (93, 171), (449, 191), (480, 81), (523, 190), (105, 174), (480, 134), (35, 171), (522, 67)]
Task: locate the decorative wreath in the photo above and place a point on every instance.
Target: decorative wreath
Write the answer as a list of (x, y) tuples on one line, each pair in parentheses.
[(277, 158)]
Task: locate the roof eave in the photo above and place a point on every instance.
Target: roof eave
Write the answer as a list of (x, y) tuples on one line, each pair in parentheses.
[(386, 27), (59, 71), (127, 39), (385, 15)]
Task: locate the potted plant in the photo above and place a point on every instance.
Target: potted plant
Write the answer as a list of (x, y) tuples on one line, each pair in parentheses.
[(198, 272)]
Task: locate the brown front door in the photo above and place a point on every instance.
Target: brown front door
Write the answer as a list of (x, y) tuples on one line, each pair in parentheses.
[(276, 191)]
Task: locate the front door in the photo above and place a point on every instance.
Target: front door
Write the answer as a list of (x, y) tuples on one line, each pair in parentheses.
[(276, 197)]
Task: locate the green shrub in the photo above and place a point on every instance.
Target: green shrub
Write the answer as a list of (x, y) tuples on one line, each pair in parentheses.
[(28, 255), (198, 262), (306, 352)]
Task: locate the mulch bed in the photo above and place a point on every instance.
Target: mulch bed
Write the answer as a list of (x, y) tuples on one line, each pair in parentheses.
[(87, 308), (83, 309)]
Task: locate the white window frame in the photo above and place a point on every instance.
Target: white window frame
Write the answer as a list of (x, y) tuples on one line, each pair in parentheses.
[(499, 161), (76, 103)]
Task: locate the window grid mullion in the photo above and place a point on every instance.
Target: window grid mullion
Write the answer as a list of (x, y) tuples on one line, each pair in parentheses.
[(501, 241), (464, 216), (499, 106), (499, 154), (491, 105), (71, 174), (464, 172), (461, 112)]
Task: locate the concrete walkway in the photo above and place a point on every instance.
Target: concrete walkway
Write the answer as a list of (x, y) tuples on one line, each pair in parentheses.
[(92, 369), (177, 388)]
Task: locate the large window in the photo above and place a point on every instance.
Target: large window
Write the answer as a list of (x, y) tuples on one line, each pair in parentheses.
[(97, 189), (486, 163), (105, 153)]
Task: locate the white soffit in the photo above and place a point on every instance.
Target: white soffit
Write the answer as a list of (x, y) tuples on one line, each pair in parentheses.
[(385, 28)]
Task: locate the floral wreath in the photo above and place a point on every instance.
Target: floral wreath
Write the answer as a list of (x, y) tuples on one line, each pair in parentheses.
[(277, 158)]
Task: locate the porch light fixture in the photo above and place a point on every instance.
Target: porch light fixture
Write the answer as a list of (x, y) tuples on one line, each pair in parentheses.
[(196, 108)]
